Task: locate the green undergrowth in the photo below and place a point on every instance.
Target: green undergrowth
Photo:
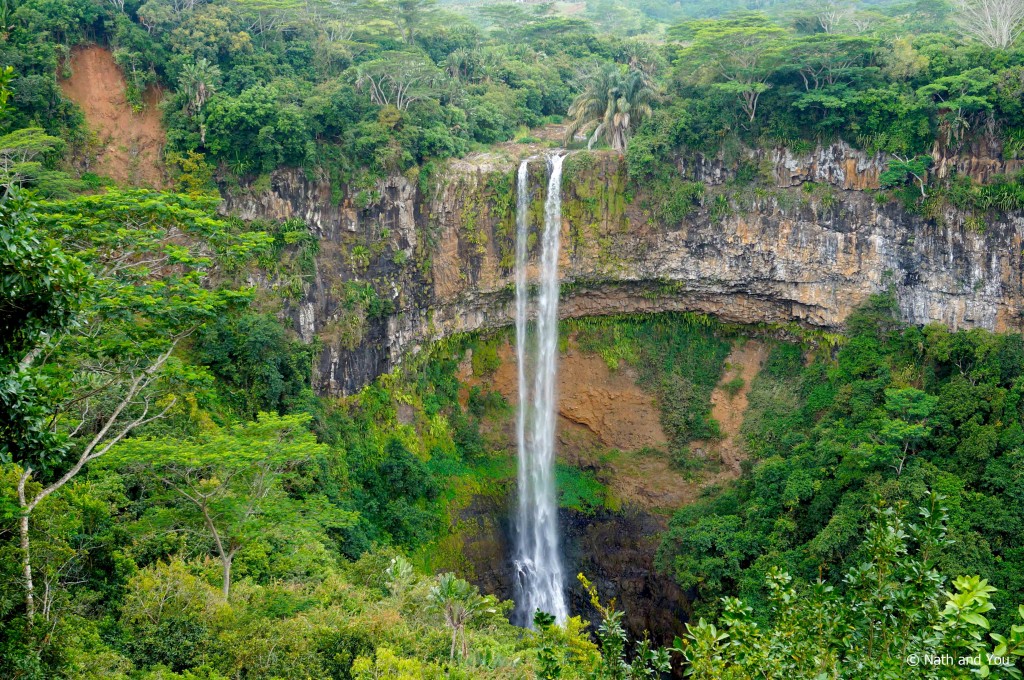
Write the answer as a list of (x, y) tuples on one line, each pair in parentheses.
[(582, 491), (595, 204), (895, 412), (490, 479), (977, 204)]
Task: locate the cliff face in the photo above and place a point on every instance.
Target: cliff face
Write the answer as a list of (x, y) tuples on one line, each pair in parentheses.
[(439, 252)]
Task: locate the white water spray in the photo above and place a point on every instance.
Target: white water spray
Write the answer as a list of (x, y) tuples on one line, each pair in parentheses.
[(539, 576)]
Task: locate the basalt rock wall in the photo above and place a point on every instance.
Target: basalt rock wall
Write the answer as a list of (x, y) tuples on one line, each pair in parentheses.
[(809, 244)]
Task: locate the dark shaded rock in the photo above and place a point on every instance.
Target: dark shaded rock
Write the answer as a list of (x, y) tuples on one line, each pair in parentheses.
[(615, 550)]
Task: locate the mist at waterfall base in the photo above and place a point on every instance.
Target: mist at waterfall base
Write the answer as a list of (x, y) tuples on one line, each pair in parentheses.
[(539, 579)]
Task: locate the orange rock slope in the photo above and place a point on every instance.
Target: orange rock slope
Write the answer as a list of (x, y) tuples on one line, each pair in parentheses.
[(129, 145)]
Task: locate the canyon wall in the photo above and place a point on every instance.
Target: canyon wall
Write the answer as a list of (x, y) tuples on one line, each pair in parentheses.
[(807, 243)]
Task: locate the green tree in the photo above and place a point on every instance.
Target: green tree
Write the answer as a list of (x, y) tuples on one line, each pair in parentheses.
[(261, 124), (191, 173), (907, 426), (902, 169), (257, 366), (708, 554), (960, 99), (549, 660), (643, 56), (41, 292), (412, 16), (22, 156), (824, 60), (736, 55), (169, 611), (399, 79), (93, 382), (24, 152), (198, 81), (894, 606), (646, 662), (232, 478), (386, 664), (269, 16)]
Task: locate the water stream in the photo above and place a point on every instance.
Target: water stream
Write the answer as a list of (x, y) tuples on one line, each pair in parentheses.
[(539, 582)]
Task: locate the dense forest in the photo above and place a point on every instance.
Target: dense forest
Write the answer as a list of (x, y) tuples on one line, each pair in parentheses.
[(177, 501)]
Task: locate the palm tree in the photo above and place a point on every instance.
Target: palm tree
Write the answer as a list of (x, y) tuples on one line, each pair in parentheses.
[(460, 603), (642, 56), (198, 81), (463, 64), (616, 101)]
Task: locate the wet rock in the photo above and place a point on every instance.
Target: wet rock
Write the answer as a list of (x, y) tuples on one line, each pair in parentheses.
[(615, 550)]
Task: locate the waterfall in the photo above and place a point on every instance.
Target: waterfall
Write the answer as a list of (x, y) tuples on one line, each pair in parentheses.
[(539, 582)]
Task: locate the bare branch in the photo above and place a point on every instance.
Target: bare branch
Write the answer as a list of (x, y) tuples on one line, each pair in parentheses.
[(994, 23), (88, 454)]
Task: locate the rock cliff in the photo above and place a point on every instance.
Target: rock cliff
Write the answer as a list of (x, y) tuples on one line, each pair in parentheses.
[(810, 244)]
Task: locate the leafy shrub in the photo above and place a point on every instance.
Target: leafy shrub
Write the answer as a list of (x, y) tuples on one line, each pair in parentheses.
[(397, 495), (686, 411), (485, 357), (734, 386)]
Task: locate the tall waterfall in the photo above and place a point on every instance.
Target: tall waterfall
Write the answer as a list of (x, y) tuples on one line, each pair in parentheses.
[(539, 582)]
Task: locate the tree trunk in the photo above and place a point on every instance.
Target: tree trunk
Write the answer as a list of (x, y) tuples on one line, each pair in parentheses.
[(226, 586), (225, 555), (26, 554), (99, 445), (26, 563), (618, 139)]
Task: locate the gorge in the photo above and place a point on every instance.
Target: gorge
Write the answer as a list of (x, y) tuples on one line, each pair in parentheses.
[(472, 340), (791, 262)]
